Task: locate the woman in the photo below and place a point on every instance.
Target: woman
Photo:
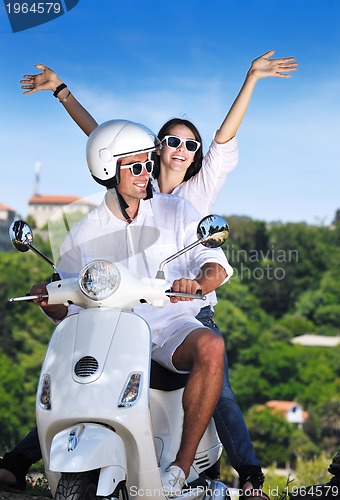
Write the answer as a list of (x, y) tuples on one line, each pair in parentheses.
[(181, 169)]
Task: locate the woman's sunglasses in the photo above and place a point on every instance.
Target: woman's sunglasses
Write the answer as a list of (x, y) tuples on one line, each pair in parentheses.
[(172, 141), (137, 168)]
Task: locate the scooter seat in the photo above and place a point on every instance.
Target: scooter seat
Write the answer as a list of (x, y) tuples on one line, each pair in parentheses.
[(165, 380)]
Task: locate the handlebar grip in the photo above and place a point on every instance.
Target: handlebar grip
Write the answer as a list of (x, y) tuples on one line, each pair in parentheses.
[(28, 297), (198, 295)]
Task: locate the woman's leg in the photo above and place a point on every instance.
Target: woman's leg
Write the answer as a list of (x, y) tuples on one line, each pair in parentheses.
[(17, 462)]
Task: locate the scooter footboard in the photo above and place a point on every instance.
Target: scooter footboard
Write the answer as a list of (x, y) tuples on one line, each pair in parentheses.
[(86, 447)]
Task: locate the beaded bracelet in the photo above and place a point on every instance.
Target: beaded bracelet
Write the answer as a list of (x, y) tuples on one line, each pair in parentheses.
[(65, 98)]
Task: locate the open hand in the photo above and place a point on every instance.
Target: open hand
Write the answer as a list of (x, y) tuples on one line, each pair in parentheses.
[(263, 66), (47, 80)]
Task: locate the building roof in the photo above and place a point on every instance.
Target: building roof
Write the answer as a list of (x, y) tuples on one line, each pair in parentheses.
[(55, 200), (309, 339), (281, 405), (5, 207), (285, 406)]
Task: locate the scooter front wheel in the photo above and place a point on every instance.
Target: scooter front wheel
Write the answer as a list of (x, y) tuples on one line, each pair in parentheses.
[(83, 486), (79, 486)]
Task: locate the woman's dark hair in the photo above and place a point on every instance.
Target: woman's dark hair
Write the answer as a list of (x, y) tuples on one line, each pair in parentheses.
[(166, 130)]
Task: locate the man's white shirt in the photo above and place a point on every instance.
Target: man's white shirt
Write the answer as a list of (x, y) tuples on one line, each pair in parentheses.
[(164, 224)]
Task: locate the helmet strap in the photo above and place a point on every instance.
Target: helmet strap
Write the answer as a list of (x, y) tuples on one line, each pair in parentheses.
[(123, 206), (149, 192)]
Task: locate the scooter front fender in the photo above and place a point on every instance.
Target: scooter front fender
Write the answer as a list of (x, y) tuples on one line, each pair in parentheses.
[(88, 446)]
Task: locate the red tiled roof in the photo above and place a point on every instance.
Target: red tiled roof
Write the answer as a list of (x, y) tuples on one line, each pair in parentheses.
[(280, 405), (5, 207), (53, 200), (284, 406)]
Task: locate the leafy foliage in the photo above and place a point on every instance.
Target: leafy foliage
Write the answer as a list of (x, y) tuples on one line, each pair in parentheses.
[(271, 435), (24, 333), (312, 471), (259, 314), (286, 283)]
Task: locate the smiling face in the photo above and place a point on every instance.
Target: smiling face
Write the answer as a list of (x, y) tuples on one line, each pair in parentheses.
[(133, 188), (177, 160)]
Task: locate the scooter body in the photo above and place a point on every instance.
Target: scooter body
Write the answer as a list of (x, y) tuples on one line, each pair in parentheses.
[(98, 419), (86, 425)]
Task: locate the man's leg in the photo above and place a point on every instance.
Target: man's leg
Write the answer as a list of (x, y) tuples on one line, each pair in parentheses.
[(202, 353), (230, 424)]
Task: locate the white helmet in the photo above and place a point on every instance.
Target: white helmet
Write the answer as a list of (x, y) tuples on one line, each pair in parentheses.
[(113, 140)]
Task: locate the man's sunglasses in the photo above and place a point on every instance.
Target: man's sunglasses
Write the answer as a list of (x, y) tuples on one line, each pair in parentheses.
[(137, 168), (172, 141)]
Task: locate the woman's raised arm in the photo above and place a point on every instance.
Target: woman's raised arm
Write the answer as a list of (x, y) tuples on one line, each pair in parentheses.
[(49, 80), (261, 67)]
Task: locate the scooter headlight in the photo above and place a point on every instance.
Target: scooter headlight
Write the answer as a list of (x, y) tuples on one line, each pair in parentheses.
[(99, 280)]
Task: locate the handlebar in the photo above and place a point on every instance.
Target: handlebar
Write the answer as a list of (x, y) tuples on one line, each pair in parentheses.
[(28, 297), (197, 295)]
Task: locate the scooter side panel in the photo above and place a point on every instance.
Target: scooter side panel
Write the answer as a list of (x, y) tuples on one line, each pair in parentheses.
[(167, 417)]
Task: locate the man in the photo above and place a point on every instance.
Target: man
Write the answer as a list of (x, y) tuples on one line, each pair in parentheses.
[(139, 230)]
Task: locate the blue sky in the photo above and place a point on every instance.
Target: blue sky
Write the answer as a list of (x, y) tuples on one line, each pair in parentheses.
[(151, 61)]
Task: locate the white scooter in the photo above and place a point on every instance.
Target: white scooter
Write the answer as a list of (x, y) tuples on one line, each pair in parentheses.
[(107, 425)]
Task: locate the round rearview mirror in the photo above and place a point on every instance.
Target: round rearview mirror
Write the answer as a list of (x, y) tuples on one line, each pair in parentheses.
[(212, 231), (20, 235)]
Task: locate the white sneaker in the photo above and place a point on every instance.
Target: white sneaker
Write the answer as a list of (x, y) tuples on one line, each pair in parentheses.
[(173, 481)]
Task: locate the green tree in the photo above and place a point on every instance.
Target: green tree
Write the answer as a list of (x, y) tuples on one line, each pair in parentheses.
[(247, 239), (322, 306), (24, 333), (330, 419), (14, 417), (271, 435), (291, 325), (239, 317), (337, 217), (330, 424), (312, 471), (301, 252), (302, 446)]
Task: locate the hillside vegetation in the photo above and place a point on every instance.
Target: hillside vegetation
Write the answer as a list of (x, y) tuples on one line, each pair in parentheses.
[(286, 283)]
